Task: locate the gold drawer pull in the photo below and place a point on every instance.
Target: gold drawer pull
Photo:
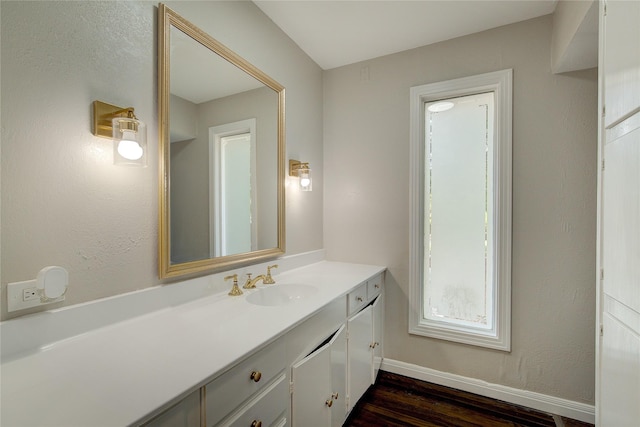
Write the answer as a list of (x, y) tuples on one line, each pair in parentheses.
[(255, 376), (374, 345), (334, 395), (376, 286), (329, 403), (256, 423), (359, 299)]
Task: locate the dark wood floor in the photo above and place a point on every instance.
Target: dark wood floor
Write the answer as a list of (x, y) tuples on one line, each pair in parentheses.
[(400, 401)]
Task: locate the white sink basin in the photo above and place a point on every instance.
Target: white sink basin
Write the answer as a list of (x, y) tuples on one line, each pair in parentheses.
[(280, 294)]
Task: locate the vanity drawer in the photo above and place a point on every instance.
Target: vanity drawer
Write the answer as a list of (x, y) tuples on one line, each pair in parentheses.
[(235, 386), (357, 299), (374, 287), (267, 408)]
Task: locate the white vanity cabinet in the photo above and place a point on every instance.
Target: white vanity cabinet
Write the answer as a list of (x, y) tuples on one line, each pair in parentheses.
[(312, 376), (201, 358), (328, 382), (319, 385)]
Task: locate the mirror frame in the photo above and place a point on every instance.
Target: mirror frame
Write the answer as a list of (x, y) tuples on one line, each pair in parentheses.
[(167, 18)]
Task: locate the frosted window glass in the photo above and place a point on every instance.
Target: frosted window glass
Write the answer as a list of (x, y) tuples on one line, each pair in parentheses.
[(459, 221)]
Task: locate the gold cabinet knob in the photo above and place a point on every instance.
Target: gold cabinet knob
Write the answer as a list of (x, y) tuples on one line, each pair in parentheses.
[(256, 375), (329, 403), (334, 395), (376, 286), (256, 423)]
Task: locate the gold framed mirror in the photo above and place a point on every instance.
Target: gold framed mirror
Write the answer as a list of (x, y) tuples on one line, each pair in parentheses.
[(222, 154)]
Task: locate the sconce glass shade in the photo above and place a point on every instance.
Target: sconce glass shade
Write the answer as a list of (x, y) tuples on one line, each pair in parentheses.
[(306, 183), (129, 142)]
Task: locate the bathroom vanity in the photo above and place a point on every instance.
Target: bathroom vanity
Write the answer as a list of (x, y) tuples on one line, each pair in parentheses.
[(300, 352)]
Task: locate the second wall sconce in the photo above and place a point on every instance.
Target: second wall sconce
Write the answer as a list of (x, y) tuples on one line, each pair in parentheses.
[(302, 171), (128, 133)]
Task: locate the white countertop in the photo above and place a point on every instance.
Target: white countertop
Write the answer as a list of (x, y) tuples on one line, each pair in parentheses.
[(117, 374)]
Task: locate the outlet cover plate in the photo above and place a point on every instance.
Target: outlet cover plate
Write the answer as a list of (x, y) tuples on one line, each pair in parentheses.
[(15, 296)]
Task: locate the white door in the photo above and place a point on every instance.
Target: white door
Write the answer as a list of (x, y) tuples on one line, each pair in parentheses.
[(319, 384), (312, 390), (339, 377), (359, 354), (618, 401)]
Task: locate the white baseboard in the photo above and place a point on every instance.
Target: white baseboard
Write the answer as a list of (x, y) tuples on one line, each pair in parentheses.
[(530, 399)]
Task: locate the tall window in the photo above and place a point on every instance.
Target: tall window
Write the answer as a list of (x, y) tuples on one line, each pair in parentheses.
[(461, 210)]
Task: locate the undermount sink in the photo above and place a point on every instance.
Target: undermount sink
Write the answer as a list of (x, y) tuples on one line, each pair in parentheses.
[(280, 294)]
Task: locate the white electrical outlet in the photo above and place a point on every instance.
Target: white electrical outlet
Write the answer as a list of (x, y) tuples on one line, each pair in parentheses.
[(29, 294), (21, 295)]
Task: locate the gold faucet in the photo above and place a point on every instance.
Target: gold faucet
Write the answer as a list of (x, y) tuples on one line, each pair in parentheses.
[(268, 280), (235, 290), (251, 283)]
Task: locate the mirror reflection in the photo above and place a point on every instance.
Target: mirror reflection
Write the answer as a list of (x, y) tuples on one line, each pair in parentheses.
[(223, 143)]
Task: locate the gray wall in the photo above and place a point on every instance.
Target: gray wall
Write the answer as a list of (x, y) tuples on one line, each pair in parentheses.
[(63, 201), (366, 154)]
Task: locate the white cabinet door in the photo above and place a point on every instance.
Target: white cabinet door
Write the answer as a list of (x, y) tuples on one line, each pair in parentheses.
[(378, 313), (339, 377), (360, 354), (314, 395), (311, 390)]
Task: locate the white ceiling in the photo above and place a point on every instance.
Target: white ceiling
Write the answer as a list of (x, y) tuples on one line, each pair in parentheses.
[(335, 33)]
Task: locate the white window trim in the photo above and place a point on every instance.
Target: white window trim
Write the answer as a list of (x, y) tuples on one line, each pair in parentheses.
[(499, 82)]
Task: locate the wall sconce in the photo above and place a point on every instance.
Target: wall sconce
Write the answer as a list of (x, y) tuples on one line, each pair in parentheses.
[(302, 171), (128, 133)]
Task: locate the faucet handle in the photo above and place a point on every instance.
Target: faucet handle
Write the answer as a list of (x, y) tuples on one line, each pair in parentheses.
[(248, 284), (268, 280), (235, 290)]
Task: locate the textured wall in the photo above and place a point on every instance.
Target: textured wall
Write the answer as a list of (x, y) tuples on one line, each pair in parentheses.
[(63, 202), (366, 134)]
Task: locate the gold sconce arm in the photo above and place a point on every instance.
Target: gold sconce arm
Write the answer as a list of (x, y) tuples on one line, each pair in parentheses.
[(295, 166), (104, 113)]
